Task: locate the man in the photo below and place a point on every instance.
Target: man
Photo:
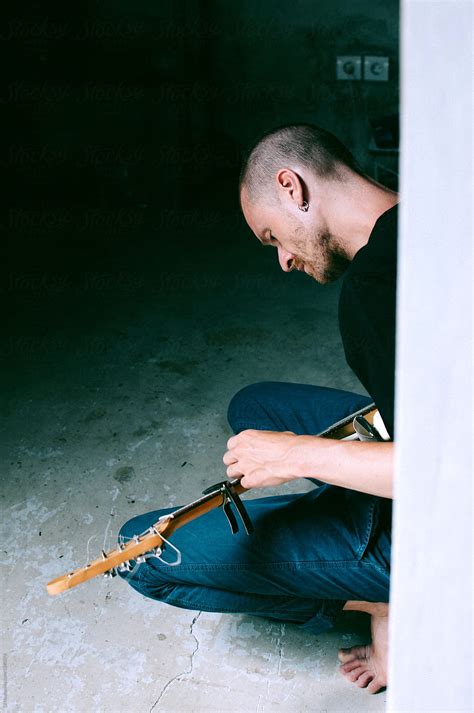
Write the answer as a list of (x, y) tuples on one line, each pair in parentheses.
[(316, 554)]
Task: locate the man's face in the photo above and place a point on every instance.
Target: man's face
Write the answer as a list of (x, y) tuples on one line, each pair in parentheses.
[(304, 245)]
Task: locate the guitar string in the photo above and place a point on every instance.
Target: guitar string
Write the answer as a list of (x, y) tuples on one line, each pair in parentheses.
[(92, 537)]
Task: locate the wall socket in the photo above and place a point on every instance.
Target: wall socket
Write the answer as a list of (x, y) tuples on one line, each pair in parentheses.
[(376, 69), (349, 67)]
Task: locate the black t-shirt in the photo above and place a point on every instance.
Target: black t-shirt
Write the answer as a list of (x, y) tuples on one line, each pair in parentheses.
[(367, 309)]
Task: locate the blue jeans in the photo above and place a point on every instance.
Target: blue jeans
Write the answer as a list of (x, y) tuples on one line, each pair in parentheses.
[(309, 553)]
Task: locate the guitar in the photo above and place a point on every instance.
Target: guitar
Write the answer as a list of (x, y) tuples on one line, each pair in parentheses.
[(156, 538)]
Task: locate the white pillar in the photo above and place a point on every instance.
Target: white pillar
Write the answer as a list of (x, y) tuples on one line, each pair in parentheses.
[(430, 665)]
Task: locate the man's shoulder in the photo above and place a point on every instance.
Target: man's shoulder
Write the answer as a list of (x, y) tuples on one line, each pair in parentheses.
[(380, 252), (372, 274)]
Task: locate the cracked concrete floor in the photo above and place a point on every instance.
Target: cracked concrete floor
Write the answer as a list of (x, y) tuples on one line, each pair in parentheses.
[(116, 392)]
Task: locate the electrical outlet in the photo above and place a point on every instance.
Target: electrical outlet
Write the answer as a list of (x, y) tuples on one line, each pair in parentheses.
[(376, 69), (349, 67)]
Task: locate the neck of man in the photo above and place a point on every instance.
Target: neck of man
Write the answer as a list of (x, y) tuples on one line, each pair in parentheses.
[(352, 208)]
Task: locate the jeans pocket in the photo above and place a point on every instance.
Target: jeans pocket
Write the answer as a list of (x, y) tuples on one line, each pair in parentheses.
[(362, 510)]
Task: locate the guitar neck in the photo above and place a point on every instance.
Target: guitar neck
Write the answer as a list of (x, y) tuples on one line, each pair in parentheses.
[(344, 428), (339, 430), (154, 538), (198, 507)]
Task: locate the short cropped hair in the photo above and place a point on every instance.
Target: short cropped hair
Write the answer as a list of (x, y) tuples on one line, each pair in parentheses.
[(294, 145)]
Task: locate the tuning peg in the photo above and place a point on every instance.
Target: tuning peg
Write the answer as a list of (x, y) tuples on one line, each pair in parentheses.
[(125, 567), (111, 573)]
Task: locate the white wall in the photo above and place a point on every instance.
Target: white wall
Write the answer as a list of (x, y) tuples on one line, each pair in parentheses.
[(431, 625)]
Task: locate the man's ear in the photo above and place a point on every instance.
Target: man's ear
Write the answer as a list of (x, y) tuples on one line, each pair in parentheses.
[(289, 184)]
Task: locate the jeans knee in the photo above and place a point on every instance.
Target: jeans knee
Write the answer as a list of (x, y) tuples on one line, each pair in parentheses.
[(149, 582), (245, 406), (127, 531)]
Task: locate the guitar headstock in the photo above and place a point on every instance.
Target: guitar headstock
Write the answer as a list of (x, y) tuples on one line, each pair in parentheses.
[(153, 541), (108, 563)]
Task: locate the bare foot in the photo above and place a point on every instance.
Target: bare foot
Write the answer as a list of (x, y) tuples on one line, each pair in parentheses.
[(366, 666)]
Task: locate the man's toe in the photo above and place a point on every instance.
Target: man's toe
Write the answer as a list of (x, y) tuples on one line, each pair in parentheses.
[(356, 652), (350, 666), (375, 686), (364, 679), (354, 675)]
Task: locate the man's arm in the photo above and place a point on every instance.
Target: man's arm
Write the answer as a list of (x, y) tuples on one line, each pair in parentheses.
[(269, 458), (357, 465)]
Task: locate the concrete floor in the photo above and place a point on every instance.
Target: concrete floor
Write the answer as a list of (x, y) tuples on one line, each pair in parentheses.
[(116, 400)]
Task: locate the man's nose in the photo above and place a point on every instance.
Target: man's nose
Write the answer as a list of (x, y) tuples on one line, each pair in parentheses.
[(285, 259)]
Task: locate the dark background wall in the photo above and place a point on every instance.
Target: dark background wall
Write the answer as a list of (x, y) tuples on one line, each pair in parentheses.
[(124, 123), (145, 106)]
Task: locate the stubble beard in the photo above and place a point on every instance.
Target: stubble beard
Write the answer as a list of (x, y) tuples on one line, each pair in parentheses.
[(325, 262)]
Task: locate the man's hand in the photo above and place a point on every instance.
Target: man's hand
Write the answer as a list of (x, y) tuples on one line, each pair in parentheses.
[(267, 458), (263, 458)]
